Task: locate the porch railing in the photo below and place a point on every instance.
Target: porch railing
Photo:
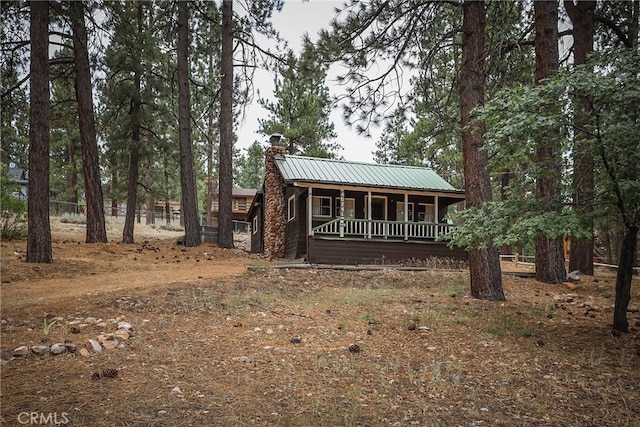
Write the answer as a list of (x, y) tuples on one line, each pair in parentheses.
[(368, 229)]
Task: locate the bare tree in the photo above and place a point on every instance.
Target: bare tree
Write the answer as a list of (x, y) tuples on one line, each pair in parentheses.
[(39, 228)]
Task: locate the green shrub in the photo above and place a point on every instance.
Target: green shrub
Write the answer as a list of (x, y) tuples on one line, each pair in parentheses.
[(13, 212)]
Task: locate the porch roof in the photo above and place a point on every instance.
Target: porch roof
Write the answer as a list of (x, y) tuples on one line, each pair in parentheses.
[(341, 172)]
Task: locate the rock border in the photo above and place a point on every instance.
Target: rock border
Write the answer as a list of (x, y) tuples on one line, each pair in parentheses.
[(105, 341)]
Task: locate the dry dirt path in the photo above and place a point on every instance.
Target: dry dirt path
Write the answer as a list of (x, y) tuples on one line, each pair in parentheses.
[(81, 269), (17, 294)]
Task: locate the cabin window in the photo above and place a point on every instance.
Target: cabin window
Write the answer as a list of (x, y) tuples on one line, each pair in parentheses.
[(254, 226), (291, 208), (427, 212), (400, 211), (378, 207), (349, 208), (321, 206)]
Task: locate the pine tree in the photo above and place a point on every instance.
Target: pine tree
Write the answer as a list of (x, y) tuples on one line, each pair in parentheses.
[(300, 112), (582, 17), (225, 178), (14, 119), (39, 229), (139, 119), (484, 262), (251, 167), (95, 223), (187, 175), (549, 251), (66, 162), (205, 108), (14, 74)]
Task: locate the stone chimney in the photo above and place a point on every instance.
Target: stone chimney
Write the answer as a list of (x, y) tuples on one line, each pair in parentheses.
[(275, 221), (275, 139)]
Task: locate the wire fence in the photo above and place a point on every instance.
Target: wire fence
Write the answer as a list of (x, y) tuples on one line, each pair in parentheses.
[(113, 214)]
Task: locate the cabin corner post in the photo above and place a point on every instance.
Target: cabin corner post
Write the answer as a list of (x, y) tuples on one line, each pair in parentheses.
[(275, 221)]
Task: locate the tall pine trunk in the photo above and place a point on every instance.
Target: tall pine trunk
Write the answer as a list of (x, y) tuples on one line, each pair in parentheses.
[(132, 192), (225, 179), (582, 16), (187, 174), (549, 252), (39, 227), (505, 178), (151, 200), (212, 177), (96, 231), (484, 264), (624, 277), (134, 150)]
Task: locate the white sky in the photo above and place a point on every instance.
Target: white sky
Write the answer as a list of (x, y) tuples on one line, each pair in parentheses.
[(296, 18)]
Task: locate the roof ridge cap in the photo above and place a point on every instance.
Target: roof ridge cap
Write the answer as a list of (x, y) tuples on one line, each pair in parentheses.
[(359, 162)]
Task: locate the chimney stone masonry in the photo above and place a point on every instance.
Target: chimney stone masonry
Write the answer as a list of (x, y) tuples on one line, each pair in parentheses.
[(275, 222)]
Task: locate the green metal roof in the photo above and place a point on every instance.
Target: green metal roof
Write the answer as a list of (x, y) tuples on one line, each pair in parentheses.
[(341, 172)]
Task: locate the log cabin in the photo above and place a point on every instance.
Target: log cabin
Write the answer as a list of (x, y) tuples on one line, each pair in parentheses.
[(327, 211)]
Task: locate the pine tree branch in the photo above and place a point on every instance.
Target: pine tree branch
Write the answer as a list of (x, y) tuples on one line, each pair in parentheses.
[(609, 23), (18, 45), (7, 92)]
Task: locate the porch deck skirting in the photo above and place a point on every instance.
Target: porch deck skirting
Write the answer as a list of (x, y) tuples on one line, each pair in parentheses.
[(327, 250)]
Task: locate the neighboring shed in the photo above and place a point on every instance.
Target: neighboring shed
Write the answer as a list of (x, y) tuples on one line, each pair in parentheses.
[(339, 212)]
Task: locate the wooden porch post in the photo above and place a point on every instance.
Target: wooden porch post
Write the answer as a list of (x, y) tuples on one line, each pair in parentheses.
[(369, 214), (310, 210), (342, 212), (436, 214), (406, 216)]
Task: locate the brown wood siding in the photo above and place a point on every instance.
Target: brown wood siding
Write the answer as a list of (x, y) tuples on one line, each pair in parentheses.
[(256, 238), (355, 252), (301, 244), (295, 227)]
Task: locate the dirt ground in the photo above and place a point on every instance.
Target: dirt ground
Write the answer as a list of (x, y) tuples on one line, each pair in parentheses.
[(79, 268), (219, 337)]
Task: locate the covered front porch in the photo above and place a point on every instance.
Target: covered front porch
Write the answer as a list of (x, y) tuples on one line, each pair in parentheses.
[(372, 226), (356, 213)]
